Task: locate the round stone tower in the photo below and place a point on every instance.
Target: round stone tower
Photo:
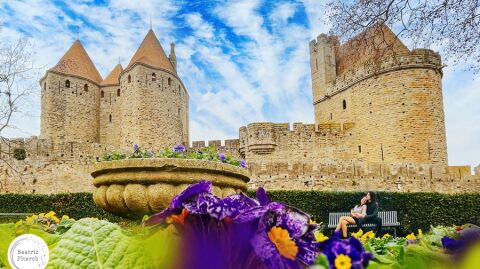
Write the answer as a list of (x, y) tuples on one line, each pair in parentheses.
[(395, 104), (154, 107), (70, 99)]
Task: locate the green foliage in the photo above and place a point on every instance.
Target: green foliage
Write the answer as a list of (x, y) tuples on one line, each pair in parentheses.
[(94, 243), (113, 156), (75, 205), (415, 210), (208, 153), (102, 244), (19, 154)]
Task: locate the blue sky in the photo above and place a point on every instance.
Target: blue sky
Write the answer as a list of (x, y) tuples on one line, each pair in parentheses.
[(241, 61)]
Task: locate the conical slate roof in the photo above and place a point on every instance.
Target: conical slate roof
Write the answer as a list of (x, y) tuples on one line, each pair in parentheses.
[(151, 53), (77, 62), (114, 77)]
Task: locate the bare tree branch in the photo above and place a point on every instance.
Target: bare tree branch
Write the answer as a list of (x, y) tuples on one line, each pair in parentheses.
[(453, 26)]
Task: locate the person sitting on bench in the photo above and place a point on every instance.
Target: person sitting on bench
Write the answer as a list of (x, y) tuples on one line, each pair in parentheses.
[(372, 213), (357, 213)]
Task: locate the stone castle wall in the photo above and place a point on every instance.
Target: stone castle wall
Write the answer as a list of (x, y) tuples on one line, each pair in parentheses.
[(298, 164), (69, 113), (154, 113), (397, 105), (110, 115)]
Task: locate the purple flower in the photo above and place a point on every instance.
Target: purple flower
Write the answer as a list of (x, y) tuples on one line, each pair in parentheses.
[(177, 204), (222, 157), (262, 196), (239, 232), (179, 148), (135, 148), (243, 164), (352, 248), (284, 238), (467, 237)]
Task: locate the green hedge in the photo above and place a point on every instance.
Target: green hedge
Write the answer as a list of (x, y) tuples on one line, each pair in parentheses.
[(415, 210), (75, 205)]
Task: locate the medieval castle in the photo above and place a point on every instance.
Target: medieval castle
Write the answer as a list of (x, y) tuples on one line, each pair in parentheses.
[(376, 126)]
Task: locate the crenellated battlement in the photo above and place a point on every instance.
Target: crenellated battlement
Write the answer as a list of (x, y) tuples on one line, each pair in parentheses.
[(323, 40), (44, 149), (227, 146), (416, 59), (266, 137), (344, 176)]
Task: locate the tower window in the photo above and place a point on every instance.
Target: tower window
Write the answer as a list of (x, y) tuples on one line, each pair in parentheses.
[(67, 83), (154, 77), (360, 149), (118, 92), (129, 78), (169, 81), (44, 85), (102, 94), (344, 104), (331, 116), (85, 87), (110, 118)]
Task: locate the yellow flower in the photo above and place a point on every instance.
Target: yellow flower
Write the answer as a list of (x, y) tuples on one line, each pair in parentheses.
[(312, 221), (18, 223), (31, 219), (343, 262), (282, 241), (420, 234), (358, 234), (367, 235), (411, 237), (387, 235), (320, 237), (64, 217)]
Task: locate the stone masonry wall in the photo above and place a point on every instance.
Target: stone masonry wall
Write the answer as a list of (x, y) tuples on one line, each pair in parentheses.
[(155, 109), (110, 115), (69, 113), (397, 109), (55, 168)]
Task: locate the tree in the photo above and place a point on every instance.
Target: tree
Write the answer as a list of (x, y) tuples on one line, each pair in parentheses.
[(450, 25), (16, 84)]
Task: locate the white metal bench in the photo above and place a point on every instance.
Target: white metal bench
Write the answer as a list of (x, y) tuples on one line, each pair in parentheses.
[(389, 220)]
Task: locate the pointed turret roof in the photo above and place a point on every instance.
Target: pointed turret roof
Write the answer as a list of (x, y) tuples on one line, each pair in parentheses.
[(151, 53), (77, 62), (114, 77)]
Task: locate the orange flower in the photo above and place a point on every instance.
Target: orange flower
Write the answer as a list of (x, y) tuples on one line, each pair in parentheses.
[(282, 241), (180, 218)]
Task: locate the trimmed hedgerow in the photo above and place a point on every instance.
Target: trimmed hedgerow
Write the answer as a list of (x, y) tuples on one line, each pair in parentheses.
[(75, 205), (415, 210)]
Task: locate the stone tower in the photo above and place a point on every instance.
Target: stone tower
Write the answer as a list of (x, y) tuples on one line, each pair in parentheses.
[(70, 99), (154, 107), (110, 105), (322, 64), (395, 102)]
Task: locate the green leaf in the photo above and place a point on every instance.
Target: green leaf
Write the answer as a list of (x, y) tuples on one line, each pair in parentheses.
[(93, 243), (7, 234)]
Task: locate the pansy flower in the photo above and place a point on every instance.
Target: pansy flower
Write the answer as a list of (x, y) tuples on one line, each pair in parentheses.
[(345, 253), (179, 148)]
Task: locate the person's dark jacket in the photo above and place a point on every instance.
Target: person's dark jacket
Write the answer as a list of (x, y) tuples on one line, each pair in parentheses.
[(372, 211)]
